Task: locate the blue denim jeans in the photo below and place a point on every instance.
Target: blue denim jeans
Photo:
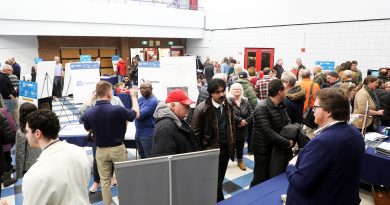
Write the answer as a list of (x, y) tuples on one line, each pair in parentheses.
[(144, 146)]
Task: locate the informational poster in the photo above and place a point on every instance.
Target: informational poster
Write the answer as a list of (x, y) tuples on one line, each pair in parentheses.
[(160, 74), (67, 89), (326, 65), (115, 60), (151, 72), (28, 92), (85, 58), (84, 79), (45, 78), (185, 67)]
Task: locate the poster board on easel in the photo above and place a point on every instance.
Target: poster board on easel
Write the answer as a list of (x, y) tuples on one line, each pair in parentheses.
[(45, 78), (85, 76)]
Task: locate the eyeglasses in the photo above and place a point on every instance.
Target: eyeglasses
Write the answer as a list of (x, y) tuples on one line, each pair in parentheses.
[(315, 107)]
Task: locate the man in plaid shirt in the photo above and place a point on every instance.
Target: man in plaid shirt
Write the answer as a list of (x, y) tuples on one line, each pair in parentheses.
[(261, 87)]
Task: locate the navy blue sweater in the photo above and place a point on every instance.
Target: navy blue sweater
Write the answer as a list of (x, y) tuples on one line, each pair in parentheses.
[(145, 123)]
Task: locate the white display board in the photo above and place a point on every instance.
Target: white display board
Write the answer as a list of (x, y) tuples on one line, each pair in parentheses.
[(67, 89), (45, 78), (180, 72), (84, 78), (170, 73)]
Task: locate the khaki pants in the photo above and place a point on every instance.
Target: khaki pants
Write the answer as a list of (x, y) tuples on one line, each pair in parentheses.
[(105, 157)]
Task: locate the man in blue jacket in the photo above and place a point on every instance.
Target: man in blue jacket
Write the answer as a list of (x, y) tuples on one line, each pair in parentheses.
[(327, 170), (145, 123)]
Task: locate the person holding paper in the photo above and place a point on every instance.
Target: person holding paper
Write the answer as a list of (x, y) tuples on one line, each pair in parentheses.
[(327, 170)]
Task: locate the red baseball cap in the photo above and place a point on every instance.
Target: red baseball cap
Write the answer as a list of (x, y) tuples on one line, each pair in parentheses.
[(178, 95)]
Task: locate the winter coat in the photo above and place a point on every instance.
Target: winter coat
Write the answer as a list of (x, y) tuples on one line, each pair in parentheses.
[(7, 136), (268, 121), (249, 92), (244, 112), (171, 135), (121, 68), (295, 99), (384, 101), (208, 72), (205, 126)]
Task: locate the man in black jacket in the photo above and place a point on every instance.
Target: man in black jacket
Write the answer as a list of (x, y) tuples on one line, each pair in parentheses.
[(269, 119), (213, 126), (172, 135)]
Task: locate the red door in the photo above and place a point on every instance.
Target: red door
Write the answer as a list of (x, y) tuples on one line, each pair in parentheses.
[(259, 58)]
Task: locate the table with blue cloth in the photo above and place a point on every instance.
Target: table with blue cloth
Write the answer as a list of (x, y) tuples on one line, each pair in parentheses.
[(76, 134), (126, 99), (268, 193), (113, 79)]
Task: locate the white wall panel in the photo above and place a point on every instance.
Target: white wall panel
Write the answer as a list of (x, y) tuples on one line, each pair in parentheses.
[(23, 48), (367, 42)]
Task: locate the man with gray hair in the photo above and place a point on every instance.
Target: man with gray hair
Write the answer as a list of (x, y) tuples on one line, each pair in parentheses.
[(295, 97), (7, 90), (347, 76), (319, 77)]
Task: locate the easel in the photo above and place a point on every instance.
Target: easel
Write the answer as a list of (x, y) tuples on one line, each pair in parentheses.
[(63, 102)]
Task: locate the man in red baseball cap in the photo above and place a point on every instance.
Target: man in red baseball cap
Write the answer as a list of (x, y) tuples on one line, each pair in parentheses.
[(172, 135)]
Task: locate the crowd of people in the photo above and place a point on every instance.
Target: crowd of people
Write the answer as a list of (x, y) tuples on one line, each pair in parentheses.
[(264, 108)]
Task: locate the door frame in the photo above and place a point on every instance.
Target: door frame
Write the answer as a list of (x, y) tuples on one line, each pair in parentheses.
[(258, 52)]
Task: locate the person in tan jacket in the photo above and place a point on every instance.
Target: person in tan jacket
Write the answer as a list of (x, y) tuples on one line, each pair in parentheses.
[(364, 95)]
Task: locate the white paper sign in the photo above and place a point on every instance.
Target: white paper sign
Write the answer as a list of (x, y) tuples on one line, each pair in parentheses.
[(45, 78), (84, 78)]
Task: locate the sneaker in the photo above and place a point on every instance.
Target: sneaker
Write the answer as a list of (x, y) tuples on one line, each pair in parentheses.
[(95, 186), (9, 182), (113, 181)]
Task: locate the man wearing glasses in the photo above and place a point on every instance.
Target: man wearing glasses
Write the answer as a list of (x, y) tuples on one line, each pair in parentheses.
[(212, 123), (327, 170)]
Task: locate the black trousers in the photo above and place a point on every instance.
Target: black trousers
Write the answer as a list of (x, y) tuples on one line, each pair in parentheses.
[(223, 163), (261, 169), (241, 133)]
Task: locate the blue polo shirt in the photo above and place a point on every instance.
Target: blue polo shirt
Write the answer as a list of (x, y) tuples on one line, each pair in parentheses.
[(145, 123), (108, 123)]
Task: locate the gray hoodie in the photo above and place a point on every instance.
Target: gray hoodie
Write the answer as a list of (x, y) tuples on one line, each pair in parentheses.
[(163, 111)]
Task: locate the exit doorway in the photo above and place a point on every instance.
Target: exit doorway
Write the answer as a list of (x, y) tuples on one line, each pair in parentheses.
[(259, 58)]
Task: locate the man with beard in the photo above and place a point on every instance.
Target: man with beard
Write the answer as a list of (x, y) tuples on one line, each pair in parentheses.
[(213, 126)]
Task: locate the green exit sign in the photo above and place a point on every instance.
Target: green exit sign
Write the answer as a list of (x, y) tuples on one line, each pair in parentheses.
[(144, 42), (171, 43)]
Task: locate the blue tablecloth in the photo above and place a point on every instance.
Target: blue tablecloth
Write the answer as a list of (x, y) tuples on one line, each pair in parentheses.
[(113, 79), (126, 99), (267, 193), (376, 168)]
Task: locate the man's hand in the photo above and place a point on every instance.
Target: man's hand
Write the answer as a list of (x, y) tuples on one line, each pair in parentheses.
[(293, 161), (242, 123), (133, 92), (3, 202)]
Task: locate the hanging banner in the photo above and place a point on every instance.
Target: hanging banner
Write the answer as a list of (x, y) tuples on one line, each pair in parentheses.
[(37, 60), (326, 65), (28, 92), (84, 79)]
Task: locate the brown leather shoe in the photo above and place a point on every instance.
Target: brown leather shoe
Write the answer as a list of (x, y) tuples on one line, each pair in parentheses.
[(241, 164)]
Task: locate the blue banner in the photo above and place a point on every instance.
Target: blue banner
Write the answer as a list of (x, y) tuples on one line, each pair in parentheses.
[(28, 89), (85, 58), (37, 60), (115, 58), (90, 65), (326, 65), (154, 64)]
